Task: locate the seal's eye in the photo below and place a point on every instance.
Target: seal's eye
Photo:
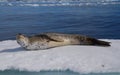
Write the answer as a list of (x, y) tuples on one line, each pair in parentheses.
[(19, 34)]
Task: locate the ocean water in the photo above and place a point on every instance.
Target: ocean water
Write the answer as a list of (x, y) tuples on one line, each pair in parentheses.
[(101, 21), (14, 72), (94, 21)]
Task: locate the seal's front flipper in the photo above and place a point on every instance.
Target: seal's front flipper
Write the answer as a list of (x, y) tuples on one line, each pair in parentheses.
[(49, 38), (56, 39)]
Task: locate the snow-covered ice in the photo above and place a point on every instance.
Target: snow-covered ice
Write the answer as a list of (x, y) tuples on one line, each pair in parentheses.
[(82, 59)]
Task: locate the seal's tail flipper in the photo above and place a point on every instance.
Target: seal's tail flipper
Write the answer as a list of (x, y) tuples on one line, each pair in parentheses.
[(98, 42)]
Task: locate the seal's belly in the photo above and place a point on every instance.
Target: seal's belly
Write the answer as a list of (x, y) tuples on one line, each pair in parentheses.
[(45, 45), (37, 46)]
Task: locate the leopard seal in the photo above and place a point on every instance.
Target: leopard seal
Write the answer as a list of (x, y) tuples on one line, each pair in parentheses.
[(51, 40)]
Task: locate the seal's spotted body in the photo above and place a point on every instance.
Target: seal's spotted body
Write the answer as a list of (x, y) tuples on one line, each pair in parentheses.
[(50, 40)]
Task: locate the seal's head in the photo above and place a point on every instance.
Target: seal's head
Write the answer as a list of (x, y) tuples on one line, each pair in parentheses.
[(22, 40)]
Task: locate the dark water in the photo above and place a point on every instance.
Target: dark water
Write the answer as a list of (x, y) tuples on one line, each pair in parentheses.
[(15, 72), (94, 21)]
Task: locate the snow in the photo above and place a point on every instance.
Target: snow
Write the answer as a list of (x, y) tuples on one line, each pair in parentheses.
[(82, 59)]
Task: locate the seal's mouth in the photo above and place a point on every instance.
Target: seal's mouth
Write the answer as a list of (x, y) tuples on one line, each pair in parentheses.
[(21, 43)]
